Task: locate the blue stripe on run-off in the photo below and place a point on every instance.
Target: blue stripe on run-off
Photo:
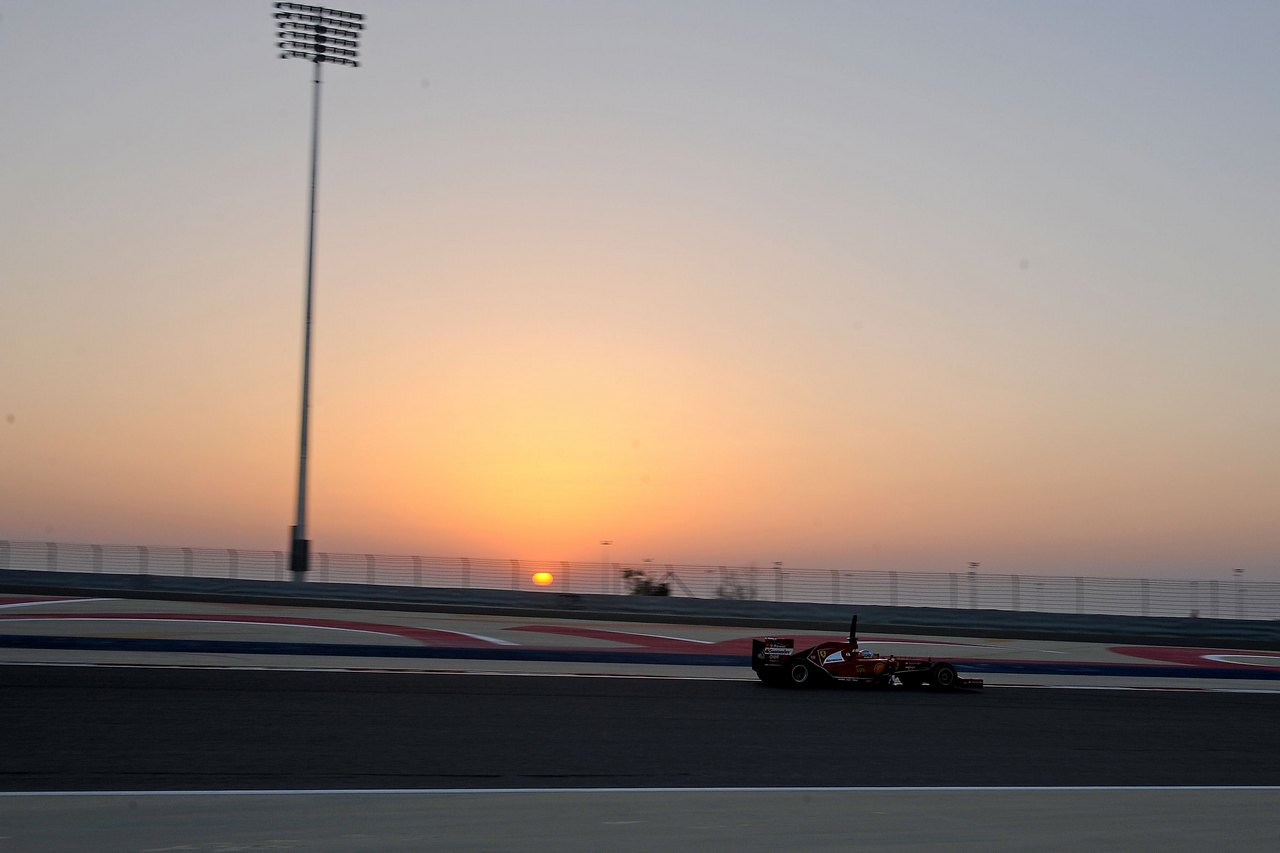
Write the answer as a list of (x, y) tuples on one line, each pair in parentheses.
[(115, 644)]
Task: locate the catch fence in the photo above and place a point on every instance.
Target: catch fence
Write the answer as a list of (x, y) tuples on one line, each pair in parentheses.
[(1235, 598)]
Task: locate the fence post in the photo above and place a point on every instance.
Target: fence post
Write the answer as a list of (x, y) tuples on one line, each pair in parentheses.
[(368, 568), (324, 567), (97, 558), (1079, 594), (973, 590), (955, 590), (51, 556), (835, 586), (777, 583), (279, 563), (143, 554), (187, 561), (4, 555), (1146, 597), (515, 574), (568, 578), (1017, 598), (233, 562), (1213, 599), (417, 570), (893, 588)]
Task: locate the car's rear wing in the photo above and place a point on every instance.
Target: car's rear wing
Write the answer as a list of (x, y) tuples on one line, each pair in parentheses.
[(769, 652)]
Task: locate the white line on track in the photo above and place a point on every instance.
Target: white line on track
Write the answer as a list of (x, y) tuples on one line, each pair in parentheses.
[(53, 601), (482, 637), (663, 637), (165, 620), (1247, 658), (187, 620), (905, 789)]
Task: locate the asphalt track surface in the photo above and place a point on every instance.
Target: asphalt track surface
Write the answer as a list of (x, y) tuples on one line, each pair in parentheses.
[(59, 630), (107, 728)]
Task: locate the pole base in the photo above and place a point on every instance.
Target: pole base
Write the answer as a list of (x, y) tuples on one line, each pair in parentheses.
[(299, 556)]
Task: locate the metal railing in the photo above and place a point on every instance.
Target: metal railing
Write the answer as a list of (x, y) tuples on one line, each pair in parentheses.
[(1227, 599)]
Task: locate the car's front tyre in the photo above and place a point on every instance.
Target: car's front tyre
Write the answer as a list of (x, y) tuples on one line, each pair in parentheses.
[(943, 676)]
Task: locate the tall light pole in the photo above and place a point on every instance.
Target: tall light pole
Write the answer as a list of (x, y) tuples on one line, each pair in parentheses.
[(318, 35)]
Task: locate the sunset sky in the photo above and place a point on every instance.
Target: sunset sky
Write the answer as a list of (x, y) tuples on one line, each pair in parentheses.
[(841, 284)]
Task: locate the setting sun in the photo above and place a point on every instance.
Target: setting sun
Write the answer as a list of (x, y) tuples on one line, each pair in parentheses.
[(543, 578)]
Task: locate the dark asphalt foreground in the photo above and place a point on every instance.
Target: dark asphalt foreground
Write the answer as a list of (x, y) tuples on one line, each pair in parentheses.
[(1135, 821), (101, 728)]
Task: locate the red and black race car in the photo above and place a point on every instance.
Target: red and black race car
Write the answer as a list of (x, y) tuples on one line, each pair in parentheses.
[(776, 661)]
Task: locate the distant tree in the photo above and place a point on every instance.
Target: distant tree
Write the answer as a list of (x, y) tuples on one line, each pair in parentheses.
[(639, 583)]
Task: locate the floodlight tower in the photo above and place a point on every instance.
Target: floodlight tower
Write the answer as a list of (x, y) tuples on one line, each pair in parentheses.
[(318, 35)]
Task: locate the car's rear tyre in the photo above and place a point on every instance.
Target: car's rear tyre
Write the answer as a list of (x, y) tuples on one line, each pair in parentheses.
[(943, 676), (800, 674)]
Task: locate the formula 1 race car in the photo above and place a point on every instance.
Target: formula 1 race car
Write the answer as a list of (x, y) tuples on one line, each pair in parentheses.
[(776, 662)]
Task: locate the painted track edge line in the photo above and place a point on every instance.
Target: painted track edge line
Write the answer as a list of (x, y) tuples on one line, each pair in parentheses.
[(888, 789)]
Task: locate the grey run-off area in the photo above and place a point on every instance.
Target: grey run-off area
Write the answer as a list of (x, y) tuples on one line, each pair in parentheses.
[(1167, 821)]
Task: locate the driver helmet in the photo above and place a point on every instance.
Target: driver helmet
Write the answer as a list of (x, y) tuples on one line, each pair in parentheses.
[(866, 653)]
